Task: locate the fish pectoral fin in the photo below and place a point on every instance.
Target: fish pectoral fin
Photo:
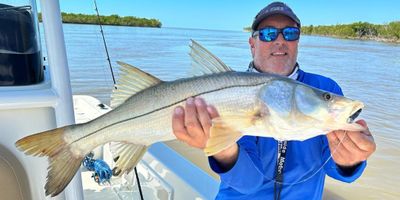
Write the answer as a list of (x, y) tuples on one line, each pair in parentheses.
[(221, 137), (131, 81), (226, 130), (204, 62), (126, 156)]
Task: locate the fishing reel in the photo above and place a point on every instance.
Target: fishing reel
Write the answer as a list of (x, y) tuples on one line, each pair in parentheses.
[(101, 171)]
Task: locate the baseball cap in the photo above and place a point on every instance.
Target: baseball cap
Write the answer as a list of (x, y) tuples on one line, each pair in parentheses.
[(272, 9)]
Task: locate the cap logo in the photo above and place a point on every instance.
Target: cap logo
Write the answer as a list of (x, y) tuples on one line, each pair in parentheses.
[(277, 9)]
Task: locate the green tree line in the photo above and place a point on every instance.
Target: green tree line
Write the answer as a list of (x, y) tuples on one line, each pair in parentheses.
[(108, 20), (359, 30)]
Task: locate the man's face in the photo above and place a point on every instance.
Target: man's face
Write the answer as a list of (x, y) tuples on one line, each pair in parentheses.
[(279, 56)]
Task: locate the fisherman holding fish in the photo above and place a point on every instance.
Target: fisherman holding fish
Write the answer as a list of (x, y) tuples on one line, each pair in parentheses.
[(268, 135), (262, 167)]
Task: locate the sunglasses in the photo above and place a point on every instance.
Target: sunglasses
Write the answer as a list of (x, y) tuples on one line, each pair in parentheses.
[(270, 33)]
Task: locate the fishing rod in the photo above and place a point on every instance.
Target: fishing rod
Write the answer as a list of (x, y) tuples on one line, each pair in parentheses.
[(112, 73), (104, 42)]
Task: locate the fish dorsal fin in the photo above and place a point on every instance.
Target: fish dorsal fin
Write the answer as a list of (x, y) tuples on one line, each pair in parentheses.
[(131, 81), (204, 62)]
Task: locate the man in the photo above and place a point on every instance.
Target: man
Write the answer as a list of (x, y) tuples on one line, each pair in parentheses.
[(263, 168)]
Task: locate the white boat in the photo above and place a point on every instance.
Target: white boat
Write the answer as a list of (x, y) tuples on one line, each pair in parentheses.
[(36, 97)]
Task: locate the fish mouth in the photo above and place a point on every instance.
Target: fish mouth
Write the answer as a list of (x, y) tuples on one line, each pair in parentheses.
[(354, 116), (356, 111)]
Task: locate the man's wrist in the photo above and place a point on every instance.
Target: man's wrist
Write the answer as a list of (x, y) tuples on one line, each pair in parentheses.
[(348, 170), (227, 158)]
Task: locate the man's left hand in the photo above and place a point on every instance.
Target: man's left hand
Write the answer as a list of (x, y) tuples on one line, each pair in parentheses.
[(349, 148)]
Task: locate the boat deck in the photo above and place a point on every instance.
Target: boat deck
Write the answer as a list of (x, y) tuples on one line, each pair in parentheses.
[(163, 173)]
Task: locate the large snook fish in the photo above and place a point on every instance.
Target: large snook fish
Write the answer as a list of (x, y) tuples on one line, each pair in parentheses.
[(249, 104)]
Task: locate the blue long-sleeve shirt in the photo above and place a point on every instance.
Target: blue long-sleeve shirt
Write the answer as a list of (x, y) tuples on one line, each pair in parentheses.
[(306, 163)]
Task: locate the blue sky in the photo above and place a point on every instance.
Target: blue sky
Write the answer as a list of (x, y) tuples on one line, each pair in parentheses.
[(234, 15)]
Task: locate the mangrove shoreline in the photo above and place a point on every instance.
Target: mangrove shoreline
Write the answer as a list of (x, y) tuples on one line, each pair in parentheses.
[(108, 20), (358, 31)]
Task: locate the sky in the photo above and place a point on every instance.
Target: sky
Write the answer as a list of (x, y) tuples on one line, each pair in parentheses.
[(237, 14)]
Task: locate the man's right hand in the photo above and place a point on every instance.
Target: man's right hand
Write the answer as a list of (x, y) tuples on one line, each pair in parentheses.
[(192, 126)]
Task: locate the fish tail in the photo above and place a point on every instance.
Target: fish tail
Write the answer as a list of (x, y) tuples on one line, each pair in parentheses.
[(63, 163)]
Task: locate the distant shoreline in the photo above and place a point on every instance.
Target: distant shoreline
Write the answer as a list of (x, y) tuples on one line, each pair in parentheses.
[(376, 39), (115, 20), (389, 33)]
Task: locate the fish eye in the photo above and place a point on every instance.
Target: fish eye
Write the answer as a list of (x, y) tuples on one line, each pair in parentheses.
[(326, 96)]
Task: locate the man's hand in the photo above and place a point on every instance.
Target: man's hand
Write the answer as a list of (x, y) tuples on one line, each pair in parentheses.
[(354, 148), (192, 126)]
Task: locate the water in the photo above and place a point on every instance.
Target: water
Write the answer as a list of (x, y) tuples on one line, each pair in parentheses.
[(368, 71)]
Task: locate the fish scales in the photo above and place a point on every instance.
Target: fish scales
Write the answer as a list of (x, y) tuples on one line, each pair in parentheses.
[(135, 120)]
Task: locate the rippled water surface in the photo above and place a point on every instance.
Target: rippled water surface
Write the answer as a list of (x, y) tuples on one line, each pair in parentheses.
[(368, 71)]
